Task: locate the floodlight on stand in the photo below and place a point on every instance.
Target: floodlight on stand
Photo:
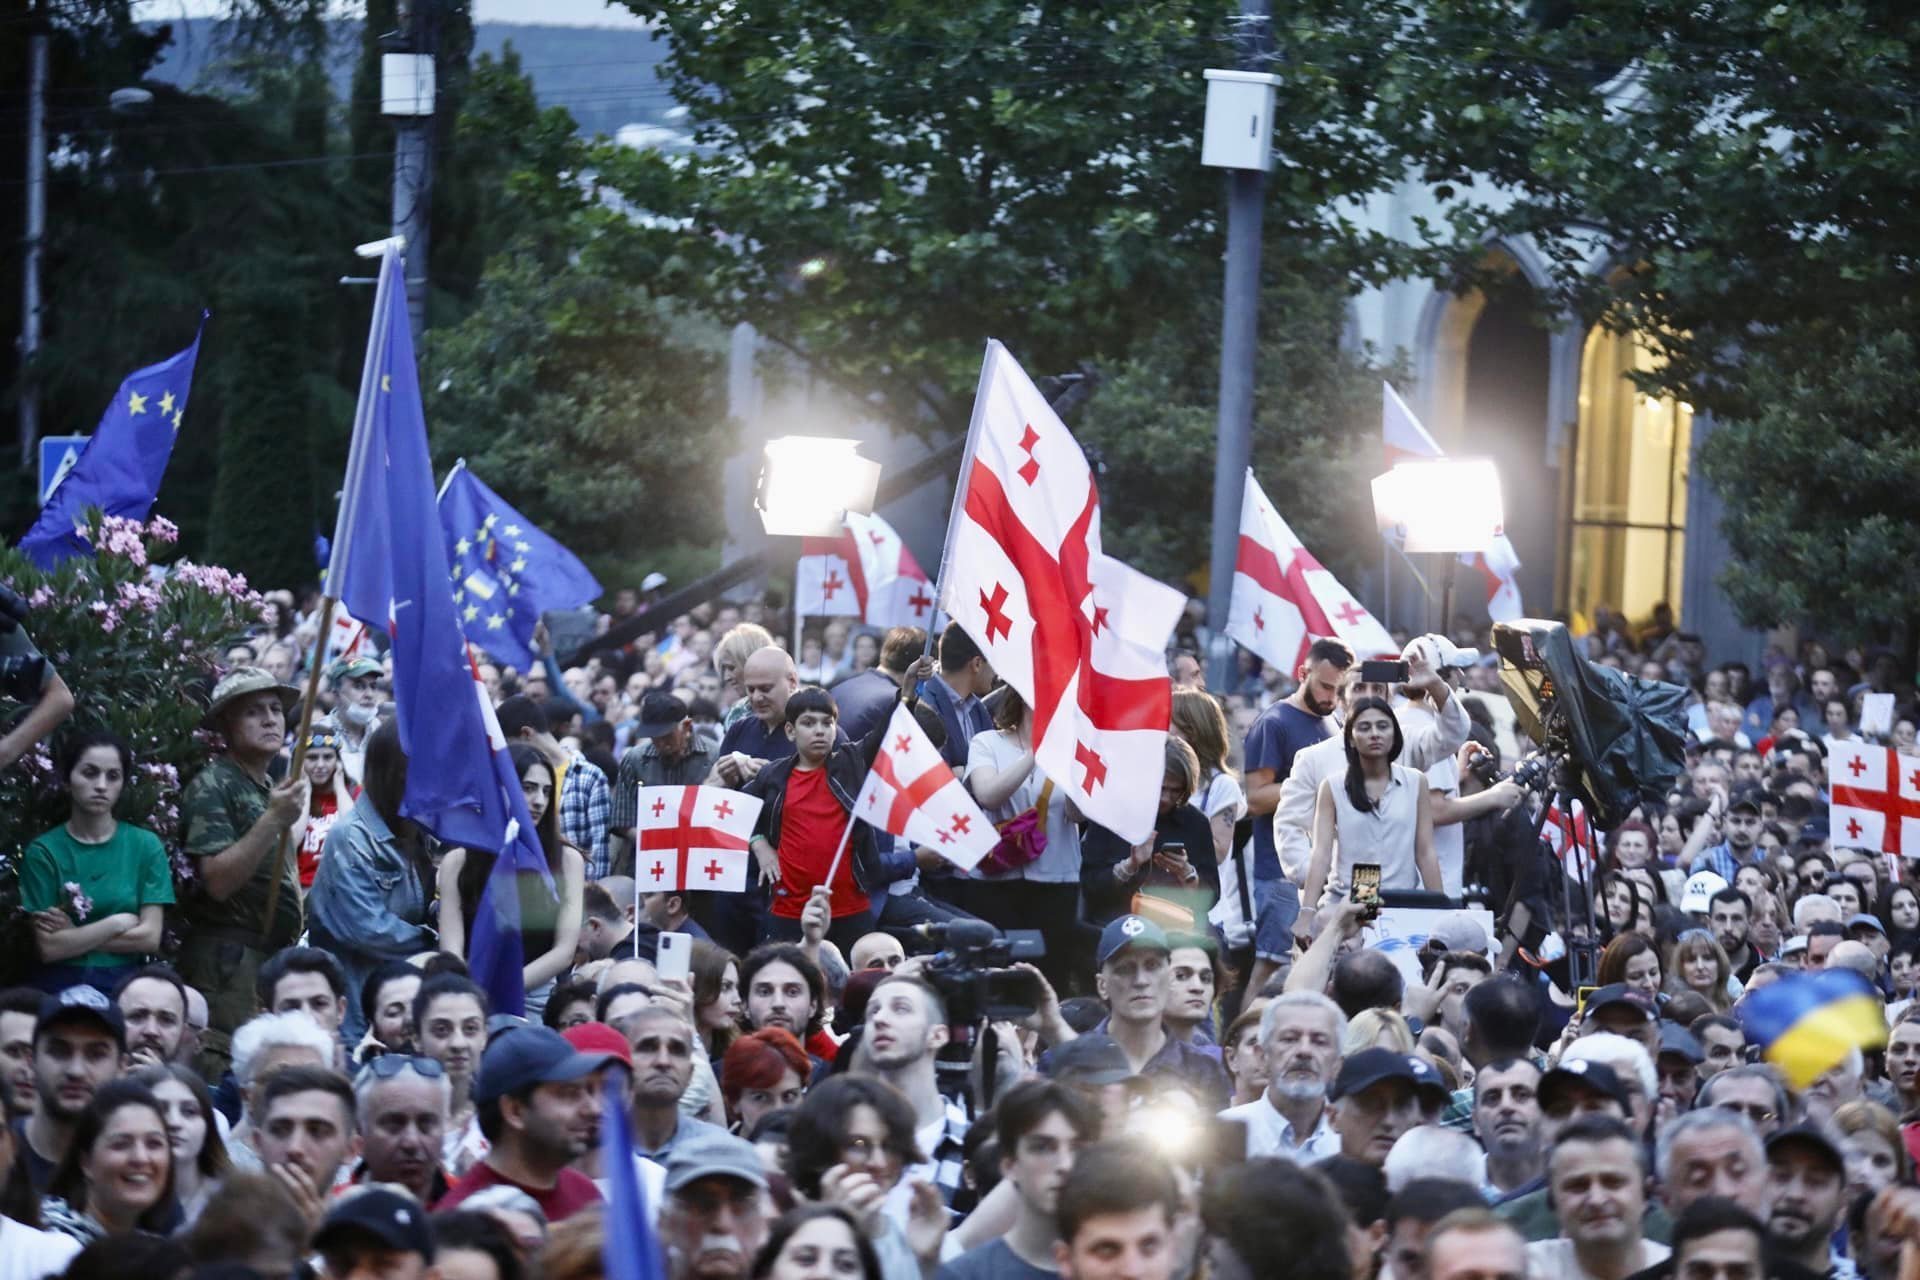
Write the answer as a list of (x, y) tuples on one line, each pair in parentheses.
[(808, 484), (1448, 505)]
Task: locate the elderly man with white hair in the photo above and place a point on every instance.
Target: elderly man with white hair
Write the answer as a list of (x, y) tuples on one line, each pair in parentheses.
[(1429, 1151), (261, 1046), (1814, 907), (1300, 1034), (1632, 1063)]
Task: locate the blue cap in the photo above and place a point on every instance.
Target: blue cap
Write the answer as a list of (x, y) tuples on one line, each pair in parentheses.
[(1129, 931), (1871, 922), (533, 1056)]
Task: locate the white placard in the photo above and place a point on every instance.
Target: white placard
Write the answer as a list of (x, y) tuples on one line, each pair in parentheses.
[(1400, 932), (1876, 715)]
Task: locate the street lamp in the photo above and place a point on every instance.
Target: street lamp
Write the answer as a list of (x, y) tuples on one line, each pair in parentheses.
[(808, 484), (1446, 506)]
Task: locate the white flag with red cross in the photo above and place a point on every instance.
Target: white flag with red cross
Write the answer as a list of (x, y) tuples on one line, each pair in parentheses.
[(1875, 798), (1283, 600), (693, 838), (1405, 439), (865, 572), (911, 792), (346, 638), (1079, 635)]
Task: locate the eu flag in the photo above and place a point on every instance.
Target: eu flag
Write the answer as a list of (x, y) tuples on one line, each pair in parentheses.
[(390, 570), (506, 572), (121, 468), (1808, 1024), (629, 1251)]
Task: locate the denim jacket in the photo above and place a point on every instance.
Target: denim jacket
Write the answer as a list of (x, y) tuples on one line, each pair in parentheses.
[(366, 906)]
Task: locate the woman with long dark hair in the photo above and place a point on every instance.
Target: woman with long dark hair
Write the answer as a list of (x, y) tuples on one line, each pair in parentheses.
[(1379, 812), (716, 997), (96, 888), (549, 918), (200, 1157), (117, 1175), (369, 899), (813, 1240)]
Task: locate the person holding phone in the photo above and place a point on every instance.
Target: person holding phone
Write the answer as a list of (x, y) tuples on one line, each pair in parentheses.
[(1378, 812), (1176, 861)]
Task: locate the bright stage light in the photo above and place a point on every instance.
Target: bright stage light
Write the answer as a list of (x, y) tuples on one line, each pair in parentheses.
[(1445, 505), (807, 483)]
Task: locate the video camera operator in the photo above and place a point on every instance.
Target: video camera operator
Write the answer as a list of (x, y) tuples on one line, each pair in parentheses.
[(1503, 853), (28, 678)]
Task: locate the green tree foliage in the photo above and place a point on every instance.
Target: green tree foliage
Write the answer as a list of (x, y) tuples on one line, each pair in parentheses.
[(1151, 426), (882, 187), (589, 403)]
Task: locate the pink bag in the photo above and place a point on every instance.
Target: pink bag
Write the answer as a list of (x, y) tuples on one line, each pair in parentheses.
[(1023, 838)]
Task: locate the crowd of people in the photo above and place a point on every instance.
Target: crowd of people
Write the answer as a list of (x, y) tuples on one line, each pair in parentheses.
[(274, 1063)]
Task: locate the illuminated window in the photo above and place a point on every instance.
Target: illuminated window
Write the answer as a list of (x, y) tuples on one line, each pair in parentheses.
[(1628, 531)]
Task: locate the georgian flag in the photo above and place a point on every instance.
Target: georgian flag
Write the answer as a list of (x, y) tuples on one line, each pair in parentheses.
[(1875, 798), (693, 838), (911, 792), (1283, 599), (1079, 635), (866, 572)]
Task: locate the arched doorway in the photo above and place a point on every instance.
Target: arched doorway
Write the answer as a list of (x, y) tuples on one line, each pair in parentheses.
[(1626, 541)]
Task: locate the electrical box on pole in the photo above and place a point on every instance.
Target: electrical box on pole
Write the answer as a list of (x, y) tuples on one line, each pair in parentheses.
[(1239, 132)]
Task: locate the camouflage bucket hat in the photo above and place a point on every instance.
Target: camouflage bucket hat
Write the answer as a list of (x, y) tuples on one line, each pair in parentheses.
[(242, 681)]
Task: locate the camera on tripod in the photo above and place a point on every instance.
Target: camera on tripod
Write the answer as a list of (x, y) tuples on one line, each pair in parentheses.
[(21, 675), (972, 974)]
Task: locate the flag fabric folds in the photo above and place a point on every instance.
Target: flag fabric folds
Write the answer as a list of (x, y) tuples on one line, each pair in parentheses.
[(1406, 440), (693, 838), (1283, 599), (865, 572), (1808, 1024), (1079, 635), (1876, 798), (506, 571), (121, 468), (629, 1250), (911, 792), (390, 570)]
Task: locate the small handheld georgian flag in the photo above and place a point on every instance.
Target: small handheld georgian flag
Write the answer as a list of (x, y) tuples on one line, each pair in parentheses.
[(693, 838), (911, 792), (1876, 798)]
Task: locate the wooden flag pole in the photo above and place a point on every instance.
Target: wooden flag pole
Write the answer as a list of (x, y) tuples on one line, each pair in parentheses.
[(299, 760)]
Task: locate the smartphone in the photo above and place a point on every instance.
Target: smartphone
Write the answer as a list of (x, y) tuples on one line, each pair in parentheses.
[(1384, 671), (1580, 995), (1366, 885), (675, 957)]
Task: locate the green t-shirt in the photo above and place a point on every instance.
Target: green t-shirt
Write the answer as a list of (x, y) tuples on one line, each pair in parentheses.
[(219, 806), (127, 872)]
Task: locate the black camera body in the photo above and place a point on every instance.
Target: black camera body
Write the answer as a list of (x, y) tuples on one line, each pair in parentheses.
[(971, 971), (21, 675)]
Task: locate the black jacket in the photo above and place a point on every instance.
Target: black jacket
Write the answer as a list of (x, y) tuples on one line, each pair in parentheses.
[(1101, 850), (847, 766)]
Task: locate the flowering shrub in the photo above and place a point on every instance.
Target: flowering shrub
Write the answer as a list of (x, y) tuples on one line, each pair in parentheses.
[(138, 642)]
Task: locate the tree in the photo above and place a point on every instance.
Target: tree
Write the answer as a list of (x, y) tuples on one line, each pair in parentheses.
[(588, 402)]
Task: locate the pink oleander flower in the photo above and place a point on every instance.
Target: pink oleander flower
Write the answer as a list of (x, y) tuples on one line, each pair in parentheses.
[(82, 904), (161, 529), (122, 537), (42, 597)]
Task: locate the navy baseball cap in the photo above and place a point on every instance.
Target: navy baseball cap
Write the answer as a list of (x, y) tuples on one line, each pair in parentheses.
[(1130, 931), (532, 1056), (1620, 994), (1371, 1066), (1675, 1038), (393, 1218), (660, 714), (1597, 1076), (83, 1003)]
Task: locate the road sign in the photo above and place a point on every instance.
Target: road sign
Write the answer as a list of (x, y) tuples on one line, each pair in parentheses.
[(57, 456)]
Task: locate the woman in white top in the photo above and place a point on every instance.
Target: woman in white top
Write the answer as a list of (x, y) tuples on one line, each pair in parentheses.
[(1378, 811), (1199, 722)]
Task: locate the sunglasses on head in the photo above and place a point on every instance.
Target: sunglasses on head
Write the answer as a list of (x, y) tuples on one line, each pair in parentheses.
[(389, 1065)]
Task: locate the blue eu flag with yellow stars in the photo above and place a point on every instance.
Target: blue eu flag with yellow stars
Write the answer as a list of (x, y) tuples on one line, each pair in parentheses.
[(126, 458), (506, 572)]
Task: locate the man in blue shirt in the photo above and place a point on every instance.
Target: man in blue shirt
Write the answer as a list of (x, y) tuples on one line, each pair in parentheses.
[(1300, 720), (965, 677)]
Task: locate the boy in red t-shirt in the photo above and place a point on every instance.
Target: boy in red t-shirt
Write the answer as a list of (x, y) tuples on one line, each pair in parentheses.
[(809, 804)]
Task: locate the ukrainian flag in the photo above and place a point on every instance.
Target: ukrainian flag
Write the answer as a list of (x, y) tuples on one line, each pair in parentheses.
[(1807, 1024)]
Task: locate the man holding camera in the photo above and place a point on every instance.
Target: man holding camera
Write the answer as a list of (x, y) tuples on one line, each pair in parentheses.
[(28, 678)]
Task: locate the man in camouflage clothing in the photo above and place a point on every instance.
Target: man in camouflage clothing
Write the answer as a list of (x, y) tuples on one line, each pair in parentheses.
[(236, 822)]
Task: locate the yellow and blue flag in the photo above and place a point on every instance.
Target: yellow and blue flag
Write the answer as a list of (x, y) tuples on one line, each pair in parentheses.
[(125, 459), (1807, 1024), (506, 571)]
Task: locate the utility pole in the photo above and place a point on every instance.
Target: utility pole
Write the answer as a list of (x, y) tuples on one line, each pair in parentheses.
[(1239, 139), (36, 229), (406, 99)]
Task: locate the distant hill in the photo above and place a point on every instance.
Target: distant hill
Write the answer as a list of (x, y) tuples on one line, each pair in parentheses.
[(604, 76)]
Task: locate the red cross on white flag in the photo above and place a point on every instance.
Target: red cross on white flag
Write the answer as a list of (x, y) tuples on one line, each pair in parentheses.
[(866, 572), (911, 792), (693, 838), (1283, 600), (1079, 635), (1875, 798)]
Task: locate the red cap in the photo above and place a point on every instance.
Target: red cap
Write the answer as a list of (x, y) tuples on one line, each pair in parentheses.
[(598, 1037)]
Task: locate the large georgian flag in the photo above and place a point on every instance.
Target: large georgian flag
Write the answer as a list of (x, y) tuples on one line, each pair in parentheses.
[(911, 792), (1283, 599), (1079, 635), (1876, 798), (693, 838)]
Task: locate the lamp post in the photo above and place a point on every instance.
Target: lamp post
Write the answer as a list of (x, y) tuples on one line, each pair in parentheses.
[(1446, 506)]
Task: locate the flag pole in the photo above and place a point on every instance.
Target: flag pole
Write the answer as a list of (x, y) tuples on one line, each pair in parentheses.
[(833, 868), (337, 559), (954, 516), (459, 465)]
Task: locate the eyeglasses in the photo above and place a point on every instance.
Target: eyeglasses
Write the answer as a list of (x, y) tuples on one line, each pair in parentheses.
[(1753, 1111), (389, 1065)]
